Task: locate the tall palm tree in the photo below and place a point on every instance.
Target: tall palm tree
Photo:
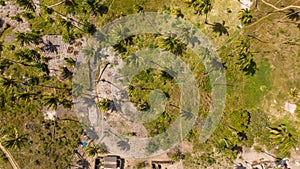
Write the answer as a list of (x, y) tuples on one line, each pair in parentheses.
[(245, 16), (14, 140), (28, 4), (245, 57), (51, 101), (25, 96), (283, 137), (202, 7), (247, 63), (172, 45), (8, 83), (27, 38), (94, 150)]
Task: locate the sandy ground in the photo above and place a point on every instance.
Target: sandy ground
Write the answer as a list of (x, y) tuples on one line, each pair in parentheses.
[(245, 4)]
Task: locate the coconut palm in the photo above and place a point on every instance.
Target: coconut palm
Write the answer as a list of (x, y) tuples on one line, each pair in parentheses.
[(28, 55), (202, 7), (28, 37), (283, 137), (104, 104), (172, 45), (177, 13), (8, 83), (27, 4), (43, 67), (70, 61), (247, 64), (25, 96), (245, 16), (94, 150), (51, 101), (14, 140)]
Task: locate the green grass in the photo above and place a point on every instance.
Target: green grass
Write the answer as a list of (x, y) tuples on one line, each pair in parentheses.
[(257, 86)]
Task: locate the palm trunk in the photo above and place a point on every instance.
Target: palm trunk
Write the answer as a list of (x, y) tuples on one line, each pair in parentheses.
[(206, 18)]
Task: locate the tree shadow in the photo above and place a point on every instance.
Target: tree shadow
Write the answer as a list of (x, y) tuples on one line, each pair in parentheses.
[(83, 164), (123, 145), (220, 28), (293, 15), (49, 47)]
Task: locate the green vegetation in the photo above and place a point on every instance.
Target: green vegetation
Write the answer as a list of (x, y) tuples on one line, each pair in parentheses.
[(260, 59)]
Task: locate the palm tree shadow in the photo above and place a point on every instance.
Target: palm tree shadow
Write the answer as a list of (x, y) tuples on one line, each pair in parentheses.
[(83, 164), (123, 145), (293, 15), (220, 28)]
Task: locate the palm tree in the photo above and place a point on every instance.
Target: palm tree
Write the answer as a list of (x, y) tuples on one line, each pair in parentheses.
[(28, 37), (51, 101), (202, 7), (70, 61), (177, 13), (94, 150), (42, 67), (172, 45), (25, 96), (14, 140), (9, 83), (283, 137), (245, 57), (247, 64), (245, 16), (28, 4), (104, 104)]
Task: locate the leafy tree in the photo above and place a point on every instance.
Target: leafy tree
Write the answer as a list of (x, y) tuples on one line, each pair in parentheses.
[(15, 140), (245, 16)]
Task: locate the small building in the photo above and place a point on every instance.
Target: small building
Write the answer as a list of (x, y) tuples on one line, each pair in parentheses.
[(109, 162)]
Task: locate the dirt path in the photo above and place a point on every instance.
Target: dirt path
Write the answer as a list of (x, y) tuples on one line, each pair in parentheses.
[(11, 159), (281, 9)]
